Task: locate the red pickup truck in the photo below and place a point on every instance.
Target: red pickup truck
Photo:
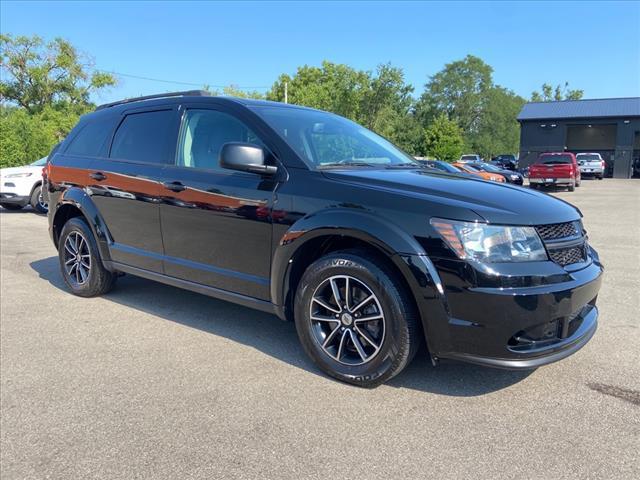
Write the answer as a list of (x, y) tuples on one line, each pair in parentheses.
[(555, 169)]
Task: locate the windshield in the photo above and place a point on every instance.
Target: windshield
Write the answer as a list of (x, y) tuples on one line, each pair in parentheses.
[(469, 157), (588, 157), (40, 163), (506, 158), (486, 167), (326, 140), (447, 167), (548, 159)]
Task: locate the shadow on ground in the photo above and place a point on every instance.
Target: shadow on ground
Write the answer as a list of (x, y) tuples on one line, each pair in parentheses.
[(23, 210), (278, 339)]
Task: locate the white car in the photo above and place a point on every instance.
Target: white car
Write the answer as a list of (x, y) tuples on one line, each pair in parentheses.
[(22, 186), (591, 164), (470, 158)]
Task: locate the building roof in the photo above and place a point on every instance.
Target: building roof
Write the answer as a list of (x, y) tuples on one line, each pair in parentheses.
[(602, 107)]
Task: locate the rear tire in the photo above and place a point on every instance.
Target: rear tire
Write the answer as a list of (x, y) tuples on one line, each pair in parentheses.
[(80, 262), (358, 341), (37, 202), (572, 187), (11, 206)]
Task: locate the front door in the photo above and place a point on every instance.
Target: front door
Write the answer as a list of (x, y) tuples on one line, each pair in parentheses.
[(216, 223)]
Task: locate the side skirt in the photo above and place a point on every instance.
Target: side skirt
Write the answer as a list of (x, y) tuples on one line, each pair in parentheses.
[(220, 294)]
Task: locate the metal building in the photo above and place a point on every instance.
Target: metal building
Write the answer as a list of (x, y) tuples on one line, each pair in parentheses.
[(609, 126)]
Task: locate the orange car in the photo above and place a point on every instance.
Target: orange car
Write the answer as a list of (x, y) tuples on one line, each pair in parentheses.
[(494, 177)]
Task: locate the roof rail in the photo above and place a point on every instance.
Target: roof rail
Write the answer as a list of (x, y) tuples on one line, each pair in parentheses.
[(186, 93)]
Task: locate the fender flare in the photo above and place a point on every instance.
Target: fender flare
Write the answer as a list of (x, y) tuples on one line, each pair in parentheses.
[(78, 198), (362, 225)]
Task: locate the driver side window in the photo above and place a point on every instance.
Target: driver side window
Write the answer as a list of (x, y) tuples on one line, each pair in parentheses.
[(203, 134)]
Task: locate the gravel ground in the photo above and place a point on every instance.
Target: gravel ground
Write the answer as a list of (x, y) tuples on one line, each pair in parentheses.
[(155, 382)]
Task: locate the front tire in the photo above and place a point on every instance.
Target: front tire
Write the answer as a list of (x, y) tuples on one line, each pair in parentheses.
[(37, 201), (80, 262), (572, 187), (355, 319)]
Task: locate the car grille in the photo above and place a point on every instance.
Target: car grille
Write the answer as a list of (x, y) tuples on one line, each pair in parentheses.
[(557, 232), (567, 256)]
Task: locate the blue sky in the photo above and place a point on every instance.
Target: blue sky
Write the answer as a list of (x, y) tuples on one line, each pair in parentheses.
[(594, 46)]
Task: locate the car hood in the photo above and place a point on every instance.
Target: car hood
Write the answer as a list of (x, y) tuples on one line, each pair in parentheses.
[(22, 169), (493, 202)]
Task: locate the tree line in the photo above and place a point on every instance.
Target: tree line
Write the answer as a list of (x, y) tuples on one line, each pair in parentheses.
[(46, 86)]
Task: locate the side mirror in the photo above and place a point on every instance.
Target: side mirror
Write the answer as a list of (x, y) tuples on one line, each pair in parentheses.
[(245, 158)]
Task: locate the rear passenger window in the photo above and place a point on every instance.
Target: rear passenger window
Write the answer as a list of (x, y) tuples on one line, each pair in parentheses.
[(143, 137), (92, 139)]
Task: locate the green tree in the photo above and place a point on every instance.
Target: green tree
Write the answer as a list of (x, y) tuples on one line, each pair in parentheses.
[(44, 88), (37, 75), (498, 130), (443, 139), (380, 101), (386, 92), (333, 87), (549, 94), (459, 91), (234, 91)]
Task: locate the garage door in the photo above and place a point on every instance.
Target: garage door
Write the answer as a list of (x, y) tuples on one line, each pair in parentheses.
[(591, 137)]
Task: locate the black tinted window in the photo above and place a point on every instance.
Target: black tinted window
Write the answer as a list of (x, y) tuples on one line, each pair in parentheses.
[(548, 159), (92, 138), (142, 137)]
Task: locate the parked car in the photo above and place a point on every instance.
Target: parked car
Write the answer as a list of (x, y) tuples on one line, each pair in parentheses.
[(371, 254), (473, 170), (470, 158), (591, 164), (508, 175), (506, 161), (442, 166), (557, 169), (22, 186)]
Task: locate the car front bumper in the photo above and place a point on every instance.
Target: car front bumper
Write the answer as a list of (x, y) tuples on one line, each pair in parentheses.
[(550, 317), (10, 197), (516, 181)]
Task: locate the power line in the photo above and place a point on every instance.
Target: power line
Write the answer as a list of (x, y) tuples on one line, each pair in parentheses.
[(190, 84)]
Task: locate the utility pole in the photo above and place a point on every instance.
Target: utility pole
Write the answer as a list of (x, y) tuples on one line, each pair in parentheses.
[(286, 96)]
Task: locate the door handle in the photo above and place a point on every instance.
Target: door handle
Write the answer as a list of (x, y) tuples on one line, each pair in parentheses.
[(99, 176), (174, 186)]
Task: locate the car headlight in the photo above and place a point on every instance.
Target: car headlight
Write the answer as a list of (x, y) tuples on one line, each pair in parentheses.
[(18, 175), (491, 243)]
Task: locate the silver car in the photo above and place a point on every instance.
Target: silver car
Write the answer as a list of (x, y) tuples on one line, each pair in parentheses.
[(591, 164)]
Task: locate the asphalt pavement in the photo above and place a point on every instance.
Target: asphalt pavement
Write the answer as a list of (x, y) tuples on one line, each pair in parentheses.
[(154, 382)]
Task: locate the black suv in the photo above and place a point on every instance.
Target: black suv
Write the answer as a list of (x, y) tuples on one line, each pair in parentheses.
[(312, 217)]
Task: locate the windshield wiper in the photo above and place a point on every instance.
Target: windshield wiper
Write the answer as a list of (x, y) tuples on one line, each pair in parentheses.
[(406, 165), (347, 164)]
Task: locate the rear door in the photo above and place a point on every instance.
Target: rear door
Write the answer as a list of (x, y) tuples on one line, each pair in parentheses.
[(216, 223), (126, 185)]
